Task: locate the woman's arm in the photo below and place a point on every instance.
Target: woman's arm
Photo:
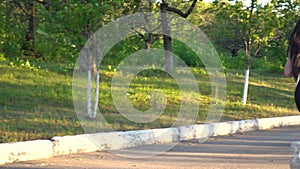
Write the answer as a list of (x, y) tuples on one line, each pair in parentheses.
[(288, 68)]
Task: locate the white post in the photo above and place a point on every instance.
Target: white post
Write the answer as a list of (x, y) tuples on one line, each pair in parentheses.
[(89, 94), (246, 84), (96, 95)]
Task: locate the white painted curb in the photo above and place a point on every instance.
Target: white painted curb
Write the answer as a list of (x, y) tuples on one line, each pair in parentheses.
[(32, 150), (24, 151), (199, 131), (112, 140), (267, 123)]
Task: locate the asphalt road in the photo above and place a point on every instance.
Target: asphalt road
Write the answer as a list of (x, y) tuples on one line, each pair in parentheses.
[(260, 150)]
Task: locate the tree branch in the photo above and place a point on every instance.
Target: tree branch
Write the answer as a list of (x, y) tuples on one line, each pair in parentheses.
[(256, 54), (41, 1), (179, 12), (156, 37), (21, 7), (139, 33), (45, 3)]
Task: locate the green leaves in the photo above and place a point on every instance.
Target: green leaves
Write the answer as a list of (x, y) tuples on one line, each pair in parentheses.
[(42, 33), (63, 28)]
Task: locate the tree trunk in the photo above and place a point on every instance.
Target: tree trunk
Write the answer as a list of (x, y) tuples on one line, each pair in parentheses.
[(247, 72), (92, 111), (148, 45), (89, 95), (149, 41), (30, 34), (167, 39), (96, 94), (248, 50)]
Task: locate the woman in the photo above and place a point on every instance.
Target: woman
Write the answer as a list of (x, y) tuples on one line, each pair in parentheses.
[(292, 66)]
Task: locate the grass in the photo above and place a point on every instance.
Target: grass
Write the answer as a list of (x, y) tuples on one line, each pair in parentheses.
[(37, 103)]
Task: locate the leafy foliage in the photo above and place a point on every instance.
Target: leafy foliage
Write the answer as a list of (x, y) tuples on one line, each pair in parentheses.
[(63, 26)]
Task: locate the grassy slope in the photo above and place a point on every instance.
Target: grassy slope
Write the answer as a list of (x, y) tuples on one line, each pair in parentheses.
[(35, 104), (38, 104)]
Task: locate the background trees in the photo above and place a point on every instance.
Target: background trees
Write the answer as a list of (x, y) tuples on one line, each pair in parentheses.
[(44, 31)]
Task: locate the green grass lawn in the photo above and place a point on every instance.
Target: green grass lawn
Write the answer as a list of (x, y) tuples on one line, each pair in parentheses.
[(37, 104)]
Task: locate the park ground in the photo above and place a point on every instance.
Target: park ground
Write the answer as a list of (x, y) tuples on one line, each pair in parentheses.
[(36, 103)]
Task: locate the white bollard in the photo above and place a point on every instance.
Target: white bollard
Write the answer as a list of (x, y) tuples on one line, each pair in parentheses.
[(295, 161)]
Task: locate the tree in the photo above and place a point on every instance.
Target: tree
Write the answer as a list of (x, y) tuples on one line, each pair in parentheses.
[(287, 14), (28, 8), (146, 32), (252, 28), (248, 46), (262, 30), (88, 61), (224, 24), (166, 29)]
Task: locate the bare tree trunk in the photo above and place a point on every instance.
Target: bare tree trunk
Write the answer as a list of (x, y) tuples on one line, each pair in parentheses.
[(167, 39)]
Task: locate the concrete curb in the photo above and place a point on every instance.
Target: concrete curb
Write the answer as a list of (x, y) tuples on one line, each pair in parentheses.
[(200, 131), (112, 140), (38, 149), (24, 151)]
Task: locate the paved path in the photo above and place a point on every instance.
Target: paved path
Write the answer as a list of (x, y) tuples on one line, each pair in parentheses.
[(259, 150)]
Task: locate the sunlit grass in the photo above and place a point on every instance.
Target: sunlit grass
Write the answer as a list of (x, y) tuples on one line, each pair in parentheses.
[(37, 104)]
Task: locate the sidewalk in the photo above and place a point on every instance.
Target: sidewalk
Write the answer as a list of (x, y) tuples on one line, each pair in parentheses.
[(260, 149)]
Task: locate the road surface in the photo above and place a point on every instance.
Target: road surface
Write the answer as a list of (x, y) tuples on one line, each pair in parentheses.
[(260, 150)]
